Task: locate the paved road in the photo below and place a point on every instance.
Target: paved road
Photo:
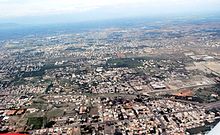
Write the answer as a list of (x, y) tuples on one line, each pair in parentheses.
[(212, 105), (187, 87)]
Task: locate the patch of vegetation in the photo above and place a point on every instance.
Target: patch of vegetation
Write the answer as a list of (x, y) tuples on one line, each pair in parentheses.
[(50, 124), (19, 81), (125, 62), (75, 49), (52, 66), (39, 104), (33, 73), (205, 94), (36, 122), (48, 88), (38, 73), (55, 113)]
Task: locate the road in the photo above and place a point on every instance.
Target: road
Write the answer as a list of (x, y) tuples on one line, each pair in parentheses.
[(212, 105)]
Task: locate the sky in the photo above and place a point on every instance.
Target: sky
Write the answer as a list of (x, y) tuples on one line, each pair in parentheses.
[(47, 11)]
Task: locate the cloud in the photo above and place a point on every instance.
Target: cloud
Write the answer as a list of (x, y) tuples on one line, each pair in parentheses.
[(18, 8)]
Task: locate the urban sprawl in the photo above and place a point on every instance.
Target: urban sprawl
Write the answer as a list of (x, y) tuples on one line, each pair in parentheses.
[(156, 79)]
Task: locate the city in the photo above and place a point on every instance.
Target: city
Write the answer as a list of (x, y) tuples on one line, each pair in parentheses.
[(155, 78)]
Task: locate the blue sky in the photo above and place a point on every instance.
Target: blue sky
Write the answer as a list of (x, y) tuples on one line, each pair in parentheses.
[(81, 10)]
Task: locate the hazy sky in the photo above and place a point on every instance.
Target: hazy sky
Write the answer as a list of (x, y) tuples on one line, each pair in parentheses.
[(55, 10)]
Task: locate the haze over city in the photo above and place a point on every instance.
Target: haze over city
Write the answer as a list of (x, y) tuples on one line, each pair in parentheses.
[(66, 11)]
